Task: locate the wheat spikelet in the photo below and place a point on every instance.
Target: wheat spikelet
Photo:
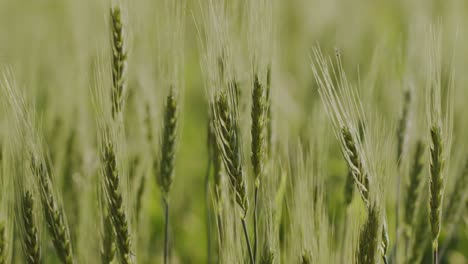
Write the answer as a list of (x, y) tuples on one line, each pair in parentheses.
[(355, 164), (56, 223), (437, 164), (229, 143), (114, 199), (119, 61), (258, 127), (368, 238), (31, 246), (168, 147), (413, 187), (108, 237)]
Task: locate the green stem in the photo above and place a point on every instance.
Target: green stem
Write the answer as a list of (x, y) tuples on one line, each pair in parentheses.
[(246, 234), (166, 231), (434, 253), (255, 221)]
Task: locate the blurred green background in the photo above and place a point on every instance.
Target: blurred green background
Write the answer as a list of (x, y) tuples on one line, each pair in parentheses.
[(53, 47)]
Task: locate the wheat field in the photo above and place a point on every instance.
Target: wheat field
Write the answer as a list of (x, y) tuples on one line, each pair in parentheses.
[(233, 131)]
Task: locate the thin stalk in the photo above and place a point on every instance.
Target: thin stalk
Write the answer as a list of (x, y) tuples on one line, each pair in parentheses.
[(166, 230), (246, 234), (435, 253), (257, 187)]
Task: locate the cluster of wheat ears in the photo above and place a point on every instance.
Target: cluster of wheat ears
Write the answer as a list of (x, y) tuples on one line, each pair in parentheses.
[(266, 192)]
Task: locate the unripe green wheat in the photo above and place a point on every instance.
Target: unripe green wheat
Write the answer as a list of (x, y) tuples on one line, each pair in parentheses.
[(31, 246)]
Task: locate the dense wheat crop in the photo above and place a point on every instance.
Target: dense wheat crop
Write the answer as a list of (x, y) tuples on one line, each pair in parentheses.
[(233, 131)]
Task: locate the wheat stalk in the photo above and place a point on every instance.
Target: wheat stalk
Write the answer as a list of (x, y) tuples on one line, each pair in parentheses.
[(258, 145), (229, 143), (166, 165)]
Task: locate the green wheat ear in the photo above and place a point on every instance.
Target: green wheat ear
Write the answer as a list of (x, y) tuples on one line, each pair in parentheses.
[(369, 237), (258, 127), (412, 189), (168, 148), (56, 222), (108, 246), (114, 199), (228, 139), (436, 183), (119, 61), (31, 247), (355, 164)]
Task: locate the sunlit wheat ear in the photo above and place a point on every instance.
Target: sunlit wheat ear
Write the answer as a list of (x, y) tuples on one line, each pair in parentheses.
[(119, 61), (369, 238), (30, 237), (345, 112), (349, 184), (228, 138), (355, 164), (229, 143), (413, 187), (108, 237), (440, 134), (168, 147), (114, 200), (55, 220)]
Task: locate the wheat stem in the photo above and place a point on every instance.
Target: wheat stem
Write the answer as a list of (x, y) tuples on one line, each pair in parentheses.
[(246, 234), (166, 231)]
